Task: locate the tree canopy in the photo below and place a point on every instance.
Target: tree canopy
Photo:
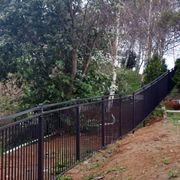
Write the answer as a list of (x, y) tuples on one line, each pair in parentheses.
[(61, 49)]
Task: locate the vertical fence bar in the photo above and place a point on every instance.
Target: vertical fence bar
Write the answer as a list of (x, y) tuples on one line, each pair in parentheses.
[(169, 81), (2, 155), (133, 113), (144, 108), (40, 143), (103, 118), (5, 158), (120, 124), (78, 130)]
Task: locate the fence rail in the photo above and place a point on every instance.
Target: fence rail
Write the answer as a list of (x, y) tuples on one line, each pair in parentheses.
[(45, 141)]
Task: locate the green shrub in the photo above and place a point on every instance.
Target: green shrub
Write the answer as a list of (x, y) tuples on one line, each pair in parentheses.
[(128, 81), (8, 105), (158, 112), (61, 166), (172, 174), (154, 69), (177, 75)]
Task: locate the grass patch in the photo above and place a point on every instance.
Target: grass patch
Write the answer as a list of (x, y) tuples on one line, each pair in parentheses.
[(95, 165), (157, 113), (116, 169), (89, 177), (61, 166), (64, 178), (165, 161), (174, 118), (172, 174)]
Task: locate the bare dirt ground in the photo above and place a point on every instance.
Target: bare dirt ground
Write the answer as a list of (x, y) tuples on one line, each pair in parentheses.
[(150, 153)]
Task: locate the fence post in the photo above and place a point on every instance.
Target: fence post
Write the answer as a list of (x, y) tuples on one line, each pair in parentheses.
[(133, 118), (40, 143), (120, 122), (169, 81), (103, 116), (78, 129)]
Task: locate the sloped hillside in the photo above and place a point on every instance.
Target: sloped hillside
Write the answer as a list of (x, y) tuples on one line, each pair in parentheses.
[(150, 153)]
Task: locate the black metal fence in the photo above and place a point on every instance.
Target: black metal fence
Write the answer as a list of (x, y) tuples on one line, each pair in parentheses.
[(45, 141)]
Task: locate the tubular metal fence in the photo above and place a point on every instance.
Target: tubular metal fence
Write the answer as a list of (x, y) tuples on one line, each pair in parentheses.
[(45, 141)]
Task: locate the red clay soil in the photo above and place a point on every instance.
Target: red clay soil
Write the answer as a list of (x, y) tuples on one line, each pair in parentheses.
[(150, 153)]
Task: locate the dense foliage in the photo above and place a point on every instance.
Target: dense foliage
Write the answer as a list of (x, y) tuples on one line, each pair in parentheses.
[(128, 81), (154, 69), (59, 50), (177, 75), (48, 45)]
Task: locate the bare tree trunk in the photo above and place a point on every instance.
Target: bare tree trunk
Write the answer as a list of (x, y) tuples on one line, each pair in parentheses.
[(114, 54), (161, 47), (149, 37), (114, 73), (142, 59), (138, 57)]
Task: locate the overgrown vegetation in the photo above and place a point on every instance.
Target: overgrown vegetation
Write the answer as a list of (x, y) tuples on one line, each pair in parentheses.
[(60, 50), (61, 166), (177, 75), (154, 69), (174, 118), (7, 105), (128, 81)]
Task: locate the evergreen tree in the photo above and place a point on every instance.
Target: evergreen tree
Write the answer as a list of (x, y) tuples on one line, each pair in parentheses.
[(154, 69), (177, 75)]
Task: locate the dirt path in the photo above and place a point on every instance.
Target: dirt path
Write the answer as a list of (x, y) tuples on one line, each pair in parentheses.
[(150, 153)]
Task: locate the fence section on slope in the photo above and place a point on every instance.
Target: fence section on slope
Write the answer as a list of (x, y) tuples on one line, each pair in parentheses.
[(47, 140)]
